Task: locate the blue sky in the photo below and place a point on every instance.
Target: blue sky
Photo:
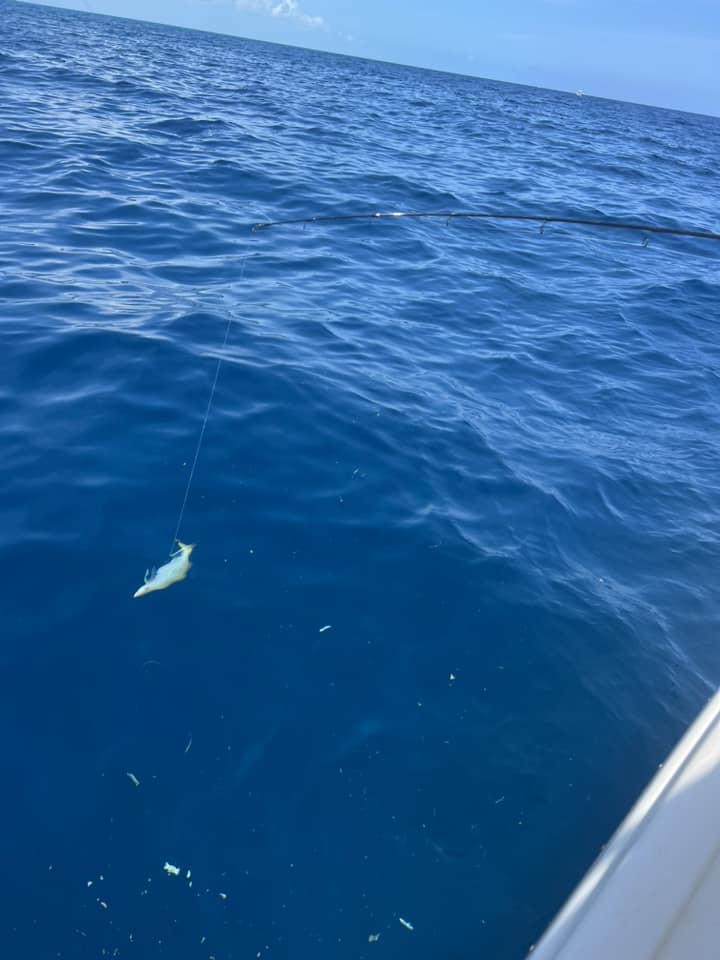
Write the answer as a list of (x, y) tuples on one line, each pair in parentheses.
[(663, 52)]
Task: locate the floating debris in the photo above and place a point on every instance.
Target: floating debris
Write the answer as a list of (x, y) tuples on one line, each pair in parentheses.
[(406, 924), (102, 904), (189, 744), (452, 677), (328, 626), (171, 870), (133, 779), (373, 938), (223, 896)]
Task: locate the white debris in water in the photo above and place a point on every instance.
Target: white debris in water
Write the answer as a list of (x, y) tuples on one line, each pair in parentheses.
[(328, 626), (133, 779), (171, 870), (406, 924)]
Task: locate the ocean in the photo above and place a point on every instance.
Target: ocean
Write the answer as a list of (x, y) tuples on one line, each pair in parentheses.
[(456, 505)]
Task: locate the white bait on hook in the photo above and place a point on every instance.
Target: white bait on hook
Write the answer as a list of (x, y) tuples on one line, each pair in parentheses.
[(173, 571)]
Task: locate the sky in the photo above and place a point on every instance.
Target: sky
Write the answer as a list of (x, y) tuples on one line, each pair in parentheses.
[(660, 52)]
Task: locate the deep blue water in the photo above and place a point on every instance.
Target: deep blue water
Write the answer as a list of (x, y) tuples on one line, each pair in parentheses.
[(471, 449)]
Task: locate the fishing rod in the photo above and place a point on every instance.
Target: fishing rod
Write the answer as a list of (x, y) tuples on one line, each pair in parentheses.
[(474, 215)]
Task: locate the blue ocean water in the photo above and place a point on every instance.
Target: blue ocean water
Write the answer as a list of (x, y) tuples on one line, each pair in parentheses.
[(485, 457)]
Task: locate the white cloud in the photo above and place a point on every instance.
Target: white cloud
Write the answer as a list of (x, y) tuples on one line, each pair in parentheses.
[(287, 9)]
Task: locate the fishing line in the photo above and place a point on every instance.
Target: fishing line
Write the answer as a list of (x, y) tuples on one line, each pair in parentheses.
[(533, 218), (208, 408)]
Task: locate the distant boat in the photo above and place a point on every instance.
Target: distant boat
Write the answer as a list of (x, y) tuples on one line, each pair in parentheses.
[(579, 93)]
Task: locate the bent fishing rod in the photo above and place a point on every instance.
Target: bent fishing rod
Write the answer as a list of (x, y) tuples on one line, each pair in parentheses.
[(542, 219)]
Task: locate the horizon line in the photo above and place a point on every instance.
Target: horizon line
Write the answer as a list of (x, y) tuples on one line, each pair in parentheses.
[(355, 56)]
